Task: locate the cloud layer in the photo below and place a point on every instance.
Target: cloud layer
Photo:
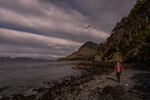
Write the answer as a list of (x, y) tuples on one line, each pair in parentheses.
[(56, 27)]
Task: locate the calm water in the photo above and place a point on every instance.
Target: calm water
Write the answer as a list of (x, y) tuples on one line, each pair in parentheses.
[(18, 77)]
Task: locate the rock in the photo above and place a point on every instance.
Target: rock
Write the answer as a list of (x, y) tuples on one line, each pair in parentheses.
[(108, 93), (18, 97), (113, 93), (96, 95)]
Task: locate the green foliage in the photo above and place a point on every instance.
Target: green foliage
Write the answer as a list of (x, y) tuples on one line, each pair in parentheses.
[(138, 6)]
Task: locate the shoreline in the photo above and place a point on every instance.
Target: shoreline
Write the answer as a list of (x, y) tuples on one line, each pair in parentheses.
[(86, 75), (88, 85)]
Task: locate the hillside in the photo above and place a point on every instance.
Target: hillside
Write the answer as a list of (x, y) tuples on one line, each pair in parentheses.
[(130, 38), (85, 52)]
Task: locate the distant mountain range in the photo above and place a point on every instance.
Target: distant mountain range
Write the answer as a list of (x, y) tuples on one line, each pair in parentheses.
[(130, 39), (20, 59)]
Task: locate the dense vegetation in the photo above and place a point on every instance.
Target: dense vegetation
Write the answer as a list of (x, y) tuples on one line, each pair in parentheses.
[(131, 36)]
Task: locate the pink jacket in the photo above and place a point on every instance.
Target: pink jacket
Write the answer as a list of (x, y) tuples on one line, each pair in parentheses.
[(120, 68)]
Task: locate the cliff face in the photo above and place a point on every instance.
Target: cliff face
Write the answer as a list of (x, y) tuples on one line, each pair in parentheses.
[(130, 37), (85, 52)]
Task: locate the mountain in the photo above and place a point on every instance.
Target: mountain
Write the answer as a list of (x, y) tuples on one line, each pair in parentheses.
[(129, 41), (130, 38), (21, 59), (85, 52)]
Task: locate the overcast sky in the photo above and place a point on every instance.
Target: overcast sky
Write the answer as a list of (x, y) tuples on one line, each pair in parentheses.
[(55, 28)]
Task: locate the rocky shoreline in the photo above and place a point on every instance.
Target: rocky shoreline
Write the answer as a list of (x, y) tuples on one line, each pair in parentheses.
[(92, 85), (56, 89)]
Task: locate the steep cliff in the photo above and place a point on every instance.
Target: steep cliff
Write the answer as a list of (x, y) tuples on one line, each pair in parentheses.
[(130, 37)]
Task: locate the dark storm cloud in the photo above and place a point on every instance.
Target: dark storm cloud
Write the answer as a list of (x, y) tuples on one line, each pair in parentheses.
[(56, 27)]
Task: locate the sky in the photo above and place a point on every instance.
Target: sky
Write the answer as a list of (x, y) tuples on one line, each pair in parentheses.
[(56, 28)]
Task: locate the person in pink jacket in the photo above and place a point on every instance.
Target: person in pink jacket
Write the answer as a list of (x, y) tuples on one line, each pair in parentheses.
[(118, 69)]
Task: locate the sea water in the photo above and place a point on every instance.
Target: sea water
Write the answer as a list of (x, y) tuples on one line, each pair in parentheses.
[(18, 77)]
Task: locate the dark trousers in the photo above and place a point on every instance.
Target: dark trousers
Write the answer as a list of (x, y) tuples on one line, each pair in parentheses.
[(118, 76)]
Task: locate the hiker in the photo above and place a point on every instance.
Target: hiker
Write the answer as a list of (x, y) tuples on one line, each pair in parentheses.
[(118, 69)]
